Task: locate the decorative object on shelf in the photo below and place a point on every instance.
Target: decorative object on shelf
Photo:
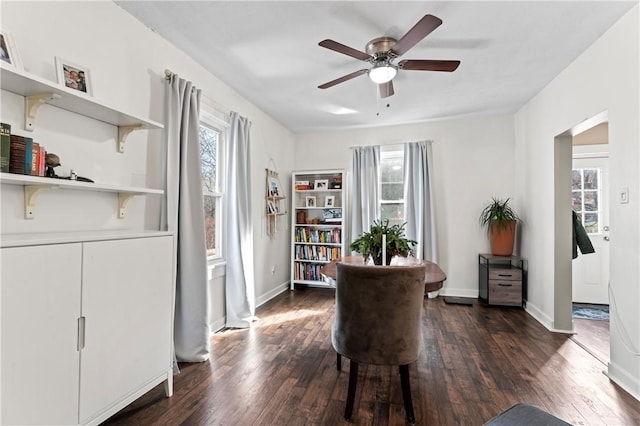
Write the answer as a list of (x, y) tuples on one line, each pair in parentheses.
[(274, 195), (500, 220), (73, 76), (383, 241), (329, 201), (8, 52), (301, 217), (321, 184), (336, 182), (310, 201), (51, 160)]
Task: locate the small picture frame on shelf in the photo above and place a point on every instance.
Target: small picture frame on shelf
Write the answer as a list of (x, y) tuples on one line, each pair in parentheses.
[(8, 52), (271, 207), (310, 201), (329, 201), (274, 187), (332, 214), (321, 184), (73, 76)]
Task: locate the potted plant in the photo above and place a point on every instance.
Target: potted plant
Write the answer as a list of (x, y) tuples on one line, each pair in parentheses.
[(500, 220), (370, 243)]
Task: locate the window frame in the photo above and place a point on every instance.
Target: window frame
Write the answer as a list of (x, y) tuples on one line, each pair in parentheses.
[(214, 121), (386, 153)]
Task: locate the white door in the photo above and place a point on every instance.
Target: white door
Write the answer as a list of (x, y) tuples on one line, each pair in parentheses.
[(591, 202), (40, 311), (126, 299)]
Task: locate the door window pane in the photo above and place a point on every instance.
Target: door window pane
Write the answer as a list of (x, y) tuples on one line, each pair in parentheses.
[(585, 196)]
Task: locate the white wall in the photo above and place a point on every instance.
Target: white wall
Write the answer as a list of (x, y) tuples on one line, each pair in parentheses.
[(127, 63), (604, 78), (473, 161)]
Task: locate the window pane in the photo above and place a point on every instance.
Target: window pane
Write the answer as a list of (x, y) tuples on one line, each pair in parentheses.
[(208, 158), (392, 191), (577, 179), (590, 179), (394, 212), (576, 200), (591, 223), (591, 201), (391, 167), (210, 223)]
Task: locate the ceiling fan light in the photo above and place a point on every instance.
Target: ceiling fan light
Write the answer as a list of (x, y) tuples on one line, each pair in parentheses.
[(382, 73)]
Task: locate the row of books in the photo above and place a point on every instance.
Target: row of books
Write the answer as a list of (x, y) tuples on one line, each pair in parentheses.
[(20, 154), (307, 271), (312, 235), (323, 253)]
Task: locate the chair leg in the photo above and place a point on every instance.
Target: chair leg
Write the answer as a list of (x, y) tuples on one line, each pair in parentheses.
[(351, 392), (406, 393), (339, 362)]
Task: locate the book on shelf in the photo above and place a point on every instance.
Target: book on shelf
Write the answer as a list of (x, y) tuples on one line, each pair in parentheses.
[(5, 146), (35, 159), (20, 157)]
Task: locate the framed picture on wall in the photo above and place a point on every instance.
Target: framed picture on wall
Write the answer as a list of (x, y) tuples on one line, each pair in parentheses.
[(310, 201), (274, 187), (8, 52), (73, 76)]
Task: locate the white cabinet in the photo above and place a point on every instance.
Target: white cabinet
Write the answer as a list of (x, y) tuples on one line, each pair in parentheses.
[(318, 208), (87, 327)]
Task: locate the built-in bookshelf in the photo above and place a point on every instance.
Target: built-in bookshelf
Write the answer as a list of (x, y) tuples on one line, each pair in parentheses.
[(318, 208)]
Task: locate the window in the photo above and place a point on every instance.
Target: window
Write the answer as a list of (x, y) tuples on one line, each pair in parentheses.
[(392, 186), (585, 193), (211, 167)]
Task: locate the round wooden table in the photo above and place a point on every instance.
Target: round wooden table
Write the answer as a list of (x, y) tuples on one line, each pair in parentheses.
[(433, 277)]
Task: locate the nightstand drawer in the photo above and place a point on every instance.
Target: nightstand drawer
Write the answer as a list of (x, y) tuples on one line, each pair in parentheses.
[(505, 274), (505, 292)]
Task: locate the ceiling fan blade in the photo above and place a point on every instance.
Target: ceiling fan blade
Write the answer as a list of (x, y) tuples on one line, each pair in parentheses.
[(386, 89), (342, 79), (345, 50), (419, 31), (428, 65)]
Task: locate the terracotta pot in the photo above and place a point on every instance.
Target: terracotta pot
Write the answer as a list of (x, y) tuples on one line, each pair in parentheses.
[(501, 239)]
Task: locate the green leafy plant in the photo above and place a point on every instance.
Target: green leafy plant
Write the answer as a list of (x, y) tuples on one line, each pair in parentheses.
[(370, 243), (497, 215)]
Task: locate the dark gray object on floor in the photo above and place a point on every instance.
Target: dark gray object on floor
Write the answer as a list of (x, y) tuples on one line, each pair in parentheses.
[(523, 414), (458, 300)]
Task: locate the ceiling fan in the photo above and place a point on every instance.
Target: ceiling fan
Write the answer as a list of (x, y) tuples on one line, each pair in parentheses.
[(382, 51)]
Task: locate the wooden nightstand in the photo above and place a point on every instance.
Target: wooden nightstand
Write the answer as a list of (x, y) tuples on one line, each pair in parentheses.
[(502, 280)]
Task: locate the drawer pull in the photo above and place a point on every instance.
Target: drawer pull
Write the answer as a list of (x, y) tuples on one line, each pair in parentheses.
[(505, 275), (505, 285)]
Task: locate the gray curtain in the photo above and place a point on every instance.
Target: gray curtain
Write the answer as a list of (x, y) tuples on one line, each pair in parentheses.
[(240, 285), (365, 186), (418, 199), (183, 214)]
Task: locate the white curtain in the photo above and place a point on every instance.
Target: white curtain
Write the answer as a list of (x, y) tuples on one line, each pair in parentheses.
[(418, 199), (183, 214), (240, 285), (365, 189)]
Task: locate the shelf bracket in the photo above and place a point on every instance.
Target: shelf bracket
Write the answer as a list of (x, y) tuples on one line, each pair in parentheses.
[(30, 192), (123, 199), (123, 132), (31, 106)]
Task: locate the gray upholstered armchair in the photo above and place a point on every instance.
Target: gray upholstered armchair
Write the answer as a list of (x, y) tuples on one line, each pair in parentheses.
[(377, 321)]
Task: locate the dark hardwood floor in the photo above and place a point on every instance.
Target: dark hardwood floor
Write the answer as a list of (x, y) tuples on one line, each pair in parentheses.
[(477, 361)]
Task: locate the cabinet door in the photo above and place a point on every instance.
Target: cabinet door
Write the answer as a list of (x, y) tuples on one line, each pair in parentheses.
[(127, 302), (40, 310)]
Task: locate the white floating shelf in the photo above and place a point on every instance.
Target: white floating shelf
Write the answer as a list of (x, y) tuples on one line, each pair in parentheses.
[(34, 184), (37, 91)]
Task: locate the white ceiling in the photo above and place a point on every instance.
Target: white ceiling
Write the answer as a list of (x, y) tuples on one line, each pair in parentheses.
[(268, 52)]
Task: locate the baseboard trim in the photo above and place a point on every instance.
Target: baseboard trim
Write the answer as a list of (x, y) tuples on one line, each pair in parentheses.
[(625, 380), (281, 288)]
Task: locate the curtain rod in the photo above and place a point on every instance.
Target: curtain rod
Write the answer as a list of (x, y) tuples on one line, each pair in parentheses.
[(390, 144), (216, 105)]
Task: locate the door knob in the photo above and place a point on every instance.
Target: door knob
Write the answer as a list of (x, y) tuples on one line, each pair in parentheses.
[(606, 238), (605, 228)]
